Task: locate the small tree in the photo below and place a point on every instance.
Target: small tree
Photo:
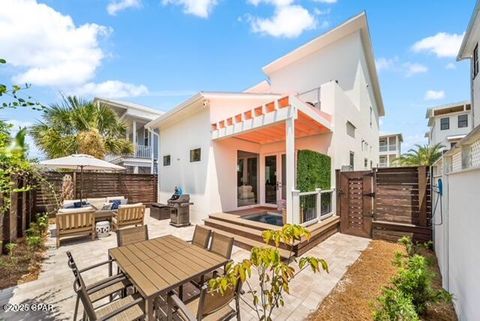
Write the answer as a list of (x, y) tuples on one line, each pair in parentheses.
[(421, 155), (273, 273)]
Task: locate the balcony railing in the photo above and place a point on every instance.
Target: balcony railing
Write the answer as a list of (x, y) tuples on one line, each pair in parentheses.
[(312, 207), (386, 148), (383, 148), (142, 151), (311, 97)]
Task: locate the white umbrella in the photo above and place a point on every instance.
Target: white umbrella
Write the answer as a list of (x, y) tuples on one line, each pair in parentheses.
[(80, 161)]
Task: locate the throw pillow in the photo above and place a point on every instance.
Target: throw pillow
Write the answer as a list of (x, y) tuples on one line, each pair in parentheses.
[(107, 206), (115, 204)]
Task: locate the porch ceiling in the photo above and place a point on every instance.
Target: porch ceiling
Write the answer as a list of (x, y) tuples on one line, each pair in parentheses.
[(304, 126)]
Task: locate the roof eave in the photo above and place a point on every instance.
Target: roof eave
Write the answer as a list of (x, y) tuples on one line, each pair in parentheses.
[(473, 19)]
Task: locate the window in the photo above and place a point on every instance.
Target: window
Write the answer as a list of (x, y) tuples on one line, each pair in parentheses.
[(444, 123), (371, 116), (195, 155), (352, 160), (453, 145), (146, 135), (365, 163), (475, 61), (371, 164), (166, 160), (462, 121), (350, 129)]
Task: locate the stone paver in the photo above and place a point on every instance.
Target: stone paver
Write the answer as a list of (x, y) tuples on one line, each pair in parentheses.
[(54, 285)]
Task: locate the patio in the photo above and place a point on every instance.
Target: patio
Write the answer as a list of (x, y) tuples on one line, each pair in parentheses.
[(54, 285)]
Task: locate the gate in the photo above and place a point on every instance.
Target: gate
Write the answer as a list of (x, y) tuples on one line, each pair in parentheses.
[(385, 203), (355, 204)]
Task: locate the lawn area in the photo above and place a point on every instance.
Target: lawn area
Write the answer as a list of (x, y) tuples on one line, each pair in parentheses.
[(354, 296)]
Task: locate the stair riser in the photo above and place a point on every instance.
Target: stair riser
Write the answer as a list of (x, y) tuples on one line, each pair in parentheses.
[(239, 222)]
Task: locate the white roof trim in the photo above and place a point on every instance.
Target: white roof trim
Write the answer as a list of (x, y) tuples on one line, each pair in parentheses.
[(128, 105), (473, 20), (359, 22)]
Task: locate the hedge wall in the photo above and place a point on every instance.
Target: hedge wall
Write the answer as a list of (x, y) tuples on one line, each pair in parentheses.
[(313, 171)]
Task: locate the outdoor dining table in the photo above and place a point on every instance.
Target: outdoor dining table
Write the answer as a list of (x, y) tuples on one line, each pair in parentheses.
[(159, 265)]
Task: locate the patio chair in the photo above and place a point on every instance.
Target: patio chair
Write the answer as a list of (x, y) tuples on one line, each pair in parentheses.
[(132, 235), (129, 308), (201, 237), (100, 289), (128, 215), (211, 306), (221, 245), (75, 222)]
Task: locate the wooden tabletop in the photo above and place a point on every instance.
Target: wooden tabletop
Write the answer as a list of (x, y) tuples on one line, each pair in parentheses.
[(162, 264)]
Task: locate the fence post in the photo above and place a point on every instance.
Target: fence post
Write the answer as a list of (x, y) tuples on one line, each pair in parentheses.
[(13, 212), (319, 202), (294, 217), (422, 195)]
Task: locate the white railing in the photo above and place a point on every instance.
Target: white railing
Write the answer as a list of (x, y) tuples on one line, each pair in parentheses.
[(142, 151), (312, 207), (312, 97), (383, 148)]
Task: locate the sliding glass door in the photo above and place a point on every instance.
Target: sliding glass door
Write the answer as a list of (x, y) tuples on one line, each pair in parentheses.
[(247, 178)]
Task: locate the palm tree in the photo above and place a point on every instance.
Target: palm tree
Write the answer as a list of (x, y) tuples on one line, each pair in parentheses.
[(80, 126), (421, 155)]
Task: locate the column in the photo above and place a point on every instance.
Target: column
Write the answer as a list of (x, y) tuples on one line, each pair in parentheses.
[(134, 133), (292, 211)]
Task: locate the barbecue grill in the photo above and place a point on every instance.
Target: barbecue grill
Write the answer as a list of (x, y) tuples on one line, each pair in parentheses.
[(180, 215)]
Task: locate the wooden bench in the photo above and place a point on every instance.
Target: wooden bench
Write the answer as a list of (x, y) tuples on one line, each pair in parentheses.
[(75, 222)]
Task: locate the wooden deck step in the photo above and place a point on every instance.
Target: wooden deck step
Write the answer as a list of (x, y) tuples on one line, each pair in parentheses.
[(247, 243), (235, 228), (236, 219)]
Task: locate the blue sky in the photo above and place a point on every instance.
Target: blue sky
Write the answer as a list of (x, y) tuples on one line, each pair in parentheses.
[(159, 52)]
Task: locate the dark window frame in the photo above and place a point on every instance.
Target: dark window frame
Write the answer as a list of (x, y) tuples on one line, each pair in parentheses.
[(352, 160), (445, 126), (193, 158), (462, 123), (165, 158)]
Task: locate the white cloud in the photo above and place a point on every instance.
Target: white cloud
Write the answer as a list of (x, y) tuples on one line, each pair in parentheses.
[(442, 44), (326, 1), (450, 66), (199, 8), (414, 68), (47, 47), (434, 95), (288, 21), (385, 63), (116, 6), (111, 89)]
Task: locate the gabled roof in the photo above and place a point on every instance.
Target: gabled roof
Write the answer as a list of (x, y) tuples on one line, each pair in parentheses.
[(357, 23), (132, 109), (473, 32)]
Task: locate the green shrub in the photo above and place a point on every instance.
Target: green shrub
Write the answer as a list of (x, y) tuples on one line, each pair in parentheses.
[(394, 305), (34, 242), (313, 171), (415, 281), (11, 247), (409, 246), (42, 223)]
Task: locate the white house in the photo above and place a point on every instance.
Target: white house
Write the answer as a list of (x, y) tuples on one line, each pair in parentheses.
[(448, 124), (469, 50), (145, 142), (231, 151), (390, 148)]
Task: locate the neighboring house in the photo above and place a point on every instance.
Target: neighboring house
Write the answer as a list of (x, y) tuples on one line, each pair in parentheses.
[(238, 150), (390, 148), (145, 143), (449, 124), (469, 50)]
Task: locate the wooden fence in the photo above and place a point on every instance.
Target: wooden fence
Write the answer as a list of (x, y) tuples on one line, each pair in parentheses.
[(137, 188), (386, 203)]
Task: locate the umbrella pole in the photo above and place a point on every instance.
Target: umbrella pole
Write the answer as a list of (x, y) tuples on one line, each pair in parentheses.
[(81, 185)]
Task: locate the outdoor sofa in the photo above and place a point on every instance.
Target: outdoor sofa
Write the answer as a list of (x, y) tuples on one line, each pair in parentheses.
[(75, 222)]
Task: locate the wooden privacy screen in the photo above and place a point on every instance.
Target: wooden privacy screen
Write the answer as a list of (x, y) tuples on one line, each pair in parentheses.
[(386, 203), (137, 188)]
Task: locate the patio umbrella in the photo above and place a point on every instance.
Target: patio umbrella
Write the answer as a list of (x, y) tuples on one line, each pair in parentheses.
[(82, 162)]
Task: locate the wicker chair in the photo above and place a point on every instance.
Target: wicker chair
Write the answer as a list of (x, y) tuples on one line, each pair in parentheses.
[(129, 308), (212, 306), (132, 235), (128, 215), (75, 222), (100, 289), (201, 237)]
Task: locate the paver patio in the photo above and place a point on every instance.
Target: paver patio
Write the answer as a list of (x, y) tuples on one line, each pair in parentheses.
[(54, 285)]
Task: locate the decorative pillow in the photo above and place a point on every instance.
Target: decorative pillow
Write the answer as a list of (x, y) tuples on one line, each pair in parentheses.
[(124, 201), (107, 206), (80, 204), (115, 204)]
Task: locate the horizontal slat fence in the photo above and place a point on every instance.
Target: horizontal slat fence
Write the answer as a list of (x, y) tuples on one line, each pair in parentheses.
[(137, 188), (402, 203)]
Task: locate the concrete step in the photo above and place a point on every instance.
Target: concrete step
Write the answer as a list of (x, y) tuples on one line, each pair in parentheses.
[(247, 243)]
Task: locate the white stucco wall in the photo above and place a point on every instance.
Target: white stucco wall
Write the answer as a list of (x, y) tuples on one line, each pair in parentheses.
[(475, 87), (440, 136), (457, 241)]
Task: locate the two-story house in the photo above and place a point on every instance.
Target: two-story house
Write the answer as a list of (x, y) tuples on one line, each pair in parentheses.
[(145, 142), (390, 148), (448, 124), (232, 151)]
